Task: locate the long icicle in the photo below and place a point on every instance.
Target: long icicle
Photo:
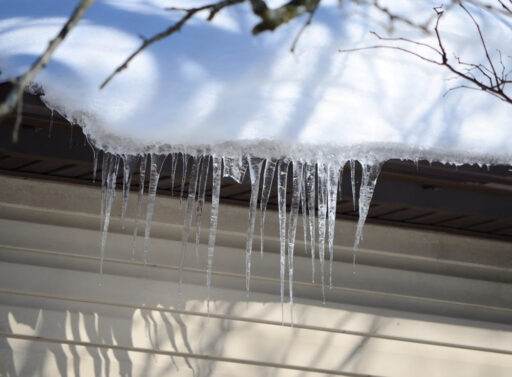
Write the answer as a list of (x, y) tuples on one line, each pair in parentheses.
[(282, 175), (191, 199), (203, 179), (368, 182), (123, 159), (322, 213), (129, 165), (292, 225), (105, 163), (311, 201), (214, 217), (333, 180), (255, 165), (303, 208), (184, 158), (174, 164), (110, 191), (140, 195), (268, 177), (157, 162), (353, 181), (95, 156)]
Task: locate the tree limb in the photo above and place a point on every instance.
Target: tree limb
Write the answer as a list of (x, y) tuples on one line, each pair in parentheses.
[(497, 81), (271, 19)]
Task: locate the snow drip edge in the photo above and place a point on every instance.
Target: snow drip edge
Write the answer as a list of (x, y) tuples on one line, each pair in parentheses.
[(314, 172)]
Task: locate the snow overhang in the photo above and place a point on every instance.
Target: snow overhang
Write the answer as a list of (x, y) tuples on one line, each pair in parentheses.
[(214, 86)]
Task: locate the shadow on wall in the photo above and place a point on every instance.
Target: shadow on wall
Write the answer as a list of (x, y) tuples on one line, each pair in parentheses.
[(143, 329), (138, 336)]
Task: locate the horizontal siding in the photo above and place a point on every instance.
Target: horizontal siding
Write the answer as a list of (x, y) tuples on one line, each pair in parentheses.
[(392, 317)]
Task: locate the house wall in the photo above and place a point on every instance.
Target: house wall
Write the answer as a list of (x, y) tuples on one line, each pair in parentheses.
[(417, 303)]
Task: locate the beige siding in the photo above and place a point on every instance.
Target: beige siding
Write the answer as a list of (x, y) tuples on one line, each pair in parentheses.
[(417, 303)]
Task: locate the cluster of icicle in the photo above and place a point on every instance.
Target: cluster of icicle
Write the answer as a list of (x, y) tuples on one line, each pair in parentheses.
[(315, 192)]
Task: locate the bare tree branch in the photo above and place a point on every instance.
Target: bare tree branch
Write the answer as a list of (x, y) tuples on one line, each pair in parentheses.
[(497, 82), (214, 8), (270, 20), (484, 45), (402, 39), (15, 97), (376, 47)]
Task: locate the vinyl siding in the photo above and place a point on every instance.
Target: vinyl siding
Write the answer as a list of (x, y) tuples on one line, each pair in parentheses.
[(417, 303)]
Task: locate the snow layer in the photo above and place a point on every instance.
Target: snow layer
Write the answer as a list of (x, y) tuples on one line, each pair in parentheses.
[(216, 85)]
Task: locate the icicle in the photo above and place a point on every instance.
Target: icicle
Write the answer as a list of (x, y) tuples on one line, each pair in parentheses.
[(332, 190), (353, 181), (191, 199), (255, 165), (142, 180), (322, 212), (282, 175), (184, 158), (129, 164), (125, 176), (310, 170), (110, 190), (203, 179), (104, 173), (214, 216), (292, 225), (95, 156), (173, 170), (268, 177), (157, 162), (303, 205), (368, 182), (235, 168)]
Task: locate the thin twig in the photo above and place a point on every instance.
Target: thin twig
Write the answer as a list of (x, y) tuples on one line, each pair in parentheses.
[(401, 39), (304, 26), (395, 17), (479, 67), (391, 48), (438, 36), (472, 88), (484, 45)]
